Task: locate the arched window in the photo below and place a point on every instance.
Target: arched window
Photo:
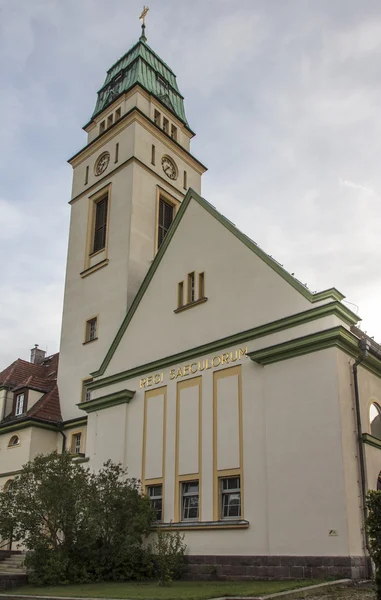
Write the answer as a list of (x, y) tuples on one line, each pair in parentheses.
[(14, 441), (375, 420), (7, 485)]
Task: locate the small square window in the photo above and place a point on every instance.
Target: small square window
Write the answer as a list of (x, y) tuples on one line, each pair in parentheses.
[(230, 490), (157, 118), (189, 500), (155, 494), (91, 329), (165, 125), (173, 132)]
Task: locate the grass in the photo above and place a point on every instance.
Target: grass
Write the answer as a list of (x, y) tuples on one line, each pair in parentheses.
[(179, 590)]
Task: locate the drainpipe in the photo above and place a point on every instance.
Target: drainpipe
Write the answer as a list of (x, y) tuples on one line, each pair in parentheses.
[(364, 351), (60, 425)]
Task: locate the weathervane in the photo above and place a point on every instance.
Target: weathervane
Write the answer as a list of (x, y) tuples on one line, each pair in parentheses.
[(142, 18)]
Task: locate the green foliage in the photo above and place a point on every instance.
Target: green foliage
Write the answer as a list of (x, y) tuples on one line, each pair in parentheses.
[(77, 526), (168, 551), (374, 530)]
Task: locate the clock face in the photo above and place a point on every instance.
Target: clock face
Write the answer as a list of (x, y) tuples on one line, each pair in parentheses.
[(102, 163), (169, 167)]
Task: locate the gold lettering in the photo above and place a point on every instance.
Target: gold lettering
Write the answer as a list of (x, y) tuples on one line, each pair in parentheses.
[(172, 374), (208, 366), (203, 365), (186, 370), (242, 352), (191, 367), (232, 357), (225, 359), (143, 382), (218, 358), (157, 378), (179, 372), (150, 380)]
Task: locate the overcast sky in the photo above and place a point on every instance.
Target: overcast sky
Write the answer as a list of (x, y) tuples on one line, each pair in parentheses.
[(285, 98)]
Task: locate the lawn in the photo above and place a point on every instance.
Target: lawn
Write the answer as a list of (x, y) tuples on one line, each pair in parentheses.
[(180, 590)]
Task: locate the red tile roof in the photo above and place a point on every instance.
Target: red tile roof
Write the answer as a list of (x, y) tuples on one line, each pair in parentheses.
[(48, 407)]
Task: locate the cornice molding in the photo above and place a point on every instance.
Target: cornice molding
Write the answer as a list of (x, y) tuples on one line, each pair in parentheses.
[(122, 397), (367, 438)]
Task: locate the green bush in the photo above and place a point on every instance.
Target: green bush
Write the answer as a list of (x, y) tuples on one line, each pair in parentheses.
[(168, 552), (374, 530), (78, 526)]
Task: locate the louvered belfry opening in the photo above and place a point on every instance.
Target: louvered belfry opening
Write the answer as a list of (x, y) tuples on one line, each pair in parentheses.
[(100, 224), (166, 211)]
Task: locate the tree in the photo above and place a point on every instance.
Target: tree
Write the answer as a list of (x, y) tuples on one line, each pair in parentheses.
[(373, 525), (77, 525)]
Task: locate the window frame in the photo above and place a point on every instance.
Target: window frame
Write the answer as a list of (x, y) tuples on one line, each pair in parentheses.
[(88, 338), (191, 287), (186, 495), (156, 498), (23, 393), (228, 492), (73, 443), (15, 445)]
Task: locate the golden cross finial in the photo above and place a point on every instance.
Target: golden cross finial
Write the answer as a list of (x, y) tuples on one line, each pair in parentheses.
[(143, 15)]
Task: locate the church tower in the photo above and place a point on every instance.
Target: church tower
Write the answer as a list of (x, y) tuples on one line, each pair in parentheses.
[(128, 182)]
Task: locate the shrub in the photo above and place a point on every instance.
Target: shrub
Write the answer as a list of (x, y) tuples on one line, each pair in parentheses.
[(168, 551), (374, 530)]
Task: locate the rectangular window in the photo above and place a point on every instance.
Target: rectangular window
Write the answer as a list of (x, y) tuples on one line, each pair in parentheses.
[(87, 175), (189, 500), (76, 443), (166, 213), (157, 118), (153, 152), (230, 490), (180, 295), (155, 494), (118, 113), (110, 120), (165, 125), (201, 286), (173, 132), (102, 127), (116, 153), (100, 224), (185, 182), (191, 289), (20, 398), (91, 329)]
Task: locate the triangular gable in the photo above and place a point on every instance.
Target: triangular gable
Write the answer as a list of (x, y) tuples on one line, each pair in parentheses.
[(325, 295)]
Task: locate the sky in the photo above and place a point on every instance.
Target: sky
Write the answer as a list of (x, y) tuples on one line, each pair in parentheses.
[(284, 96)]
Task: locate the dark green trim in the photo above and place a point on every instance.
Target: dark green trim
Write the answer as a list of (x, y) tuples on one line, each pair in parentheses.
[(10, 473), (191, 194), (84, 459), (122, 397), (317, 312), (78, 422), (371, 440), (337, 337), (24, 424)]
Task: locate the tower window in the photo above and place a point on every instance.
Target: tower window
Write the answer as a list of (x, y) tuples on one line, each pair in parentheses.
[(100, 228), (153, 153), (166, 214), (157, 118), (165, 125), (116, 153), (20, 401), (87, 175), (185, 183), (118, 113), (102, 127), (110, 120), (91, 329), (191, 288), (173, 132)]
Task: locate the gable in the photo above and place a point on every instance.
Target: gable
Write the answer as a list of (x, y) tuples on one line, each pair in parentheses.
[(244, 286)]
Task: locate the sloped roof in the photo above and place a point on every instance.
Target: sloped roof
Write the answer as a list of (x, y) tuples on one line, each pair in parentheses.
[(141, 65), (48, 407), (331, 293)]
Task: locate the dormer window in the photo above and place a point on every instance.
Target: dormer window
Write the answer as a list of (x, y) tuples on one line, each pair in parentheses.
[(20, 401)]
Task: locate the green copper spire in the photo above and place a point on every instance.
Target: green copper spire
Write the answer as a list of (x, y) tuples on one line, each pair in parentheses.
[(142, 66)]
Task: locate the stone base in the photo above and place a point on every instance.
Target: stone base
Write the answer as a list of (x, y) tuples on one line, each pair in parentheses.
[(9, 581), (234, 568)]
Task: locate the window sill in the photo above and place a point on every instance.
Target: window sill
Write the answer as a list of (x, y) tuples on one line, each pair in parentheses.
[(90, 270), (97, 252), (89, 342), (199, 525), (190, 305)]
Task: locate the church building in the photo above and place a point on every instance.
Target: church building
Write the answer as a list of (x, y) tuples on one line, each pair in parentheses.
[(248, 406)]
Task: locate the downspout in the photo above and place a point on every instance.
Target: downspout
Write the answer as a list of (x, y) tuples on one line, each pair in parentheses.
[(364, 351), (60, 425)]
